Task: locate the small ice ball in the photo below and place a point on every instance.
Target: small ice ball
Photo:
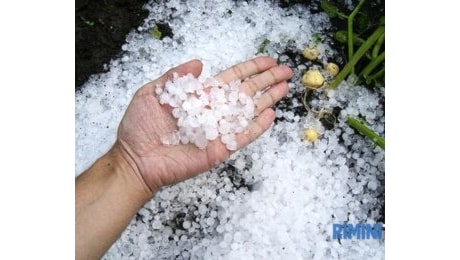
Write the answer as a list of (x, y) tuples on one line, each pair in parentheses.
[(158, 90), (232, 146), (201, 141), (187, 224), (240, 164), (210, 221), (211, 133), (372, 185)]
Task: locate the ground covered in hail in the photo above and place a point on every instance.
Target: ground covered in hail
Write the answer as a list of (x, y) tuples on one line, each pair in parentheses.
[(275, 199)]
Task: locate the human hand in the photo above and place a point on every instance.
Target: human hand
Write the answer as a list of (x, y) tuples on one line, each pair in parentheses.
[(146, 121)]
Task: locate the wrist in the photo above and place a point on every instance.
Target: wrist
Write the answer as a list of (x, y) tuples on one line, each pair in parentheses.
[(126, 167), (107, 196)]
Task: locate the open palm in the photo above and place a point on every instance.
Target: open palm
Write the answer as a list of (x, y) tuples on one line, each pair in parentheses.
[(146, 122)]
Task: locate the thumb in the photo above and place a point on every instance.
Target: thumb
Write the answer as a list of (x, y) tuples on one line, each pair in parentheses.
[(194, 66)]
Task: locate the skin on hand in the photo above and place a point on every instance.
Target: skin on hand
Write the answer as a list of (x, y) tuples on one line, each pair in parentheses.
[(146, 122)]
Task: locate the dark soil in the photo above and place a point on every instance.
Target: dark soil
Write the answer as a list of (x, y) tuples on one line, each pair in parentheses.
[(100, 30)]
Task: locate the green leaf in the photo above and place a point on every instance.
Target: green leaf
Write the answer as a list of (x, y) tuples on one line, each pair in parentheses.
[(89, 23), (382, 20), (362, 21), (155, 32), (263, 46), (341, 36), (316, 38), (329, 8)]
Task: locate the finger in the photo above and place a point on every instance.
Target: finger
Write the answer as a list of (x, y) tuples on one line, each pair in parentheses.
[(267, 78), (194, 66), (245, 69), (257, 127), (271, 96), (216, 153)]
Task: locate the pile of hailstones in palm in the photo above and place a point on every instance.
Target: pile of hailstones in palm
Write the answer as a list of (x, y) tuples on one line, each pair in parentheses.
[(279, 196), (206, 110)]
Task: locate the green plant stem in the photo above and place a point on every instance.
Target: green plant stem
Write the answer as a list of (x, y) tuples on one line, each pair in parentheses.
[(359, 53), (342, 37), (356, 124), (374, 63), (377, 46), (377, 75), (350, 31), (343, 16)]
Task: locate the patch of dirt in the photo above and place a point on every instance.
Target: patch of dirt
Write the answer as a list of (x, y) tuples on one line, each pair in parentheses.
[(100, 31)]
